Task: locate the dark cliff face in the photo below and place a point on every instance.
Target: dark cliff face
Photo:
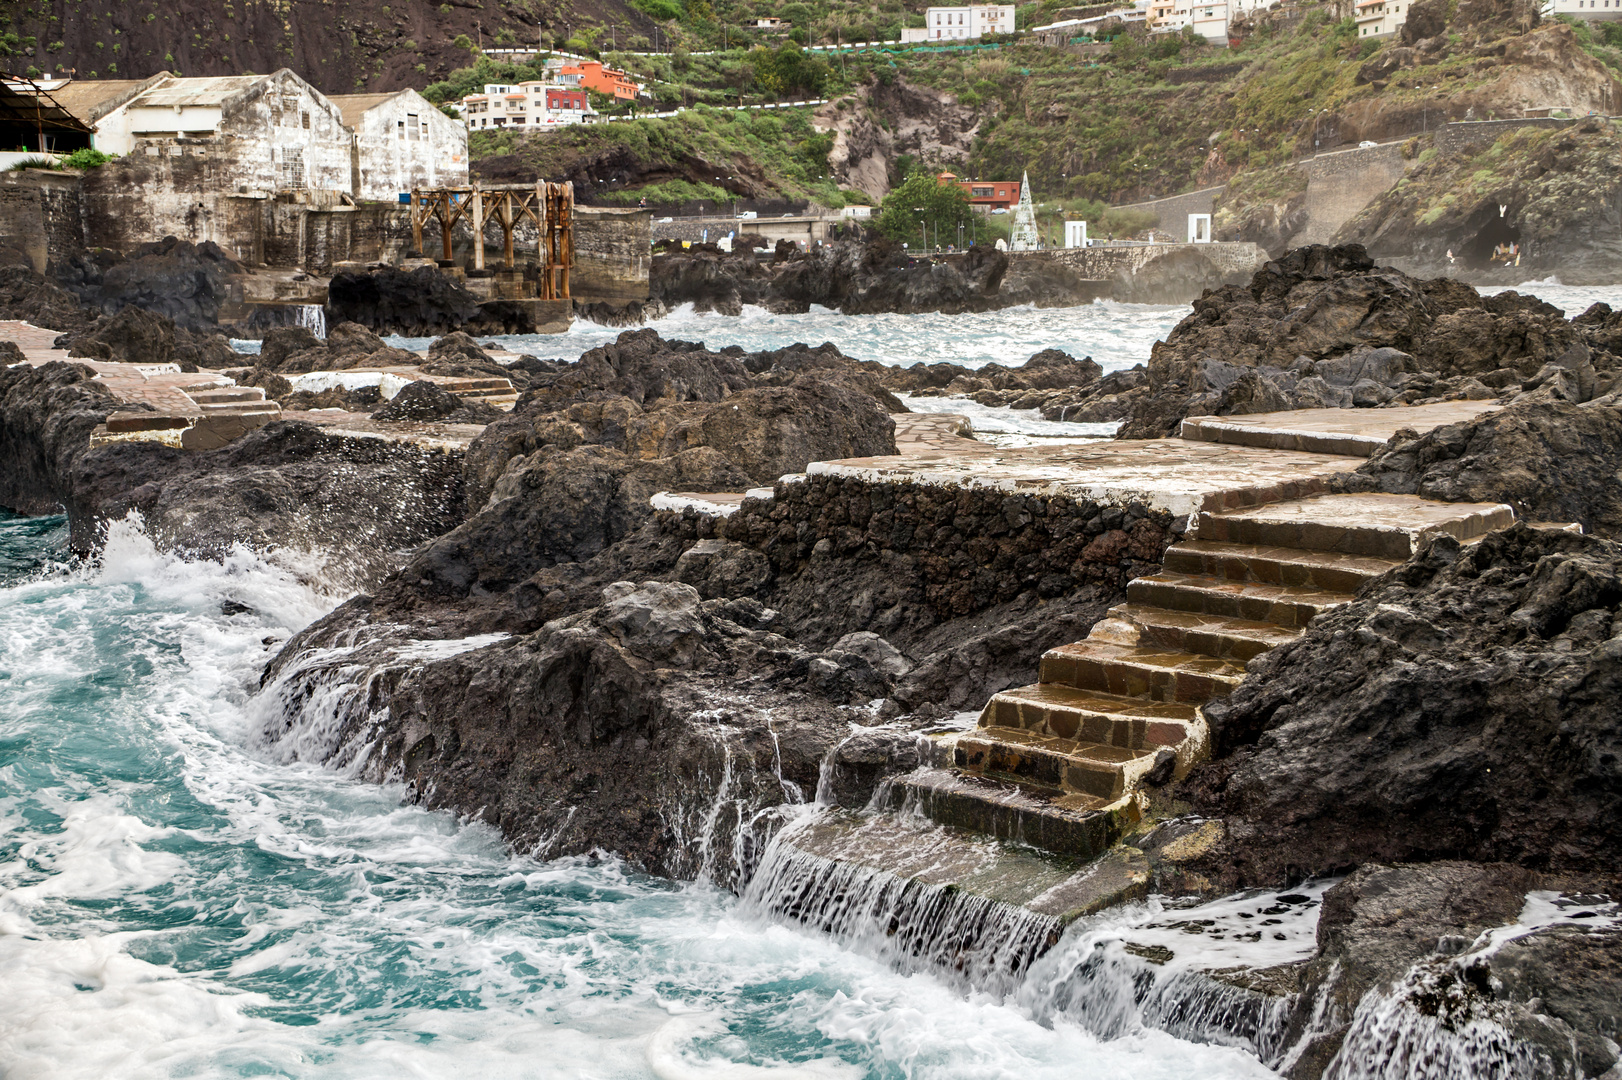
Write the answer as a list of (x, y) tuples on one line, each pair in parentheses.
[(1556, 193), (340, 48)]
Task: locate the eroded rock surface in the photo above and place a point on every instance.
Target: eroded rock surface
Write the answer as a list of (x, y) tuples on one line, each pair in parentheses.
[(1462, 708), (1324, 327)]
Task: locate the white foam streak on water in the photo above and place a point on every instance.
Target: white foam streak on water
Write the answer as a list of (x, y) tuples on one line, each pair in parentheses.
[(1004, 426), (172, 904)]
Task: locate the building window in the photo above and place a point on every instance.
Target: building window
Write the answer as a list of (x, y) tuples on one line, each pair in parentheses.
[(292, 168), (306, 121), (413, 129)]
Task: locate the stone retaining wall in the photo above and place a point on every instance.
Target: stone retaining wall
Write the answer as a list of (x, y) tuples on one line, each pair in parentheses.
[(1172, 212), (965, 548), (1341, 184), (1103, 263), (40, 216), (612, 251), (1465, 135), (797, 229)]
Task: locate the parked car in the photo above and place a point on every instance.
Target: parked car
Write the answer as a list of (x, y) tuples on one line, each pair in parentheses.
[(1366, 143), (1000, 210)]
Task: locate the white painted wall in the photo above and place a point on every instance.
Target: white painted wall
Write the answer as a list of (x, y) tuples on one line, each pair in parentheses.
[(406, 142), (117, 131), (962, 23), (1599, 10)]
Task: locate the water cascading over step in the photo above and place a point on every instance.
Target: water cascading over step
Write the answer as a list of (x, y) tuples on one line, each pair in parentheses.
[(978, 861), (312, 317)]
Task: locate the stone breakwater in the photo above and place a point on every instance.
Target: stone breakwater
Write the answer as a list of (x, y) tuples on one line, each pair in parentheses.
[(964, 550)]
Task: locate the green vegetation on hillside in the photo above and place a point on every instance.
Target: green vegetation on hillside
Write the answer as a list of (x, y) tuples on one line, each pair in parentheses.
[(701, 154)]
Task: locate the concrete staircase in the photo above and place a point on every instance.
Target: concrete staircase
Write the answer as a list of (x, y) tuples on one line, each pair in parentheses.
[(492, 390), (1060, 764)]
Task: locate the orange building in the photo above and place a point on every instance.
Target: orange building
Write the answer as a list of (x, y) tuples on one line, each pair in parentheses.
[(605, 80), (985, 195)]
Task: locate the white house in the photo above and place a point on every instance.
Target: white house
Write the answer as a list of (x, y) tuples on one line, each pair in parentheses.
[(1381, 18), (962, 23), (1598, 10), (1209, 20), (529, 106)]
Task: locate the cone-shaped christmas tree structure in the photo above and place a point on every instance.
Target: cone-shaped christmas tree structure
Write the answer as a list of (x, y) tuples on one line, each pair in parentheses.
[(1024, 236)]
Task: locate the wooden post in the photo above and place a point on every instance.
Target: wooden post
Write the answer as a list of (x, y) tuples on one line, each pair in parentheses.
[(478, 227), (566, 203), (507, 228), (416, 219), (442, 202)]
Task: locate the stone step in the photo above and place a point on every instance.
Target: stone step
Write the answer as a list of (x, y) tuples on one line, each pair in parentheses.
[(1089, 716), (216, 429), (1067, 824), (1068, 765), (1275, 565), (120, 422), (1282, 605), (484, 392), (954, 865), (219, 395), (1191, 631), (1387, 526), (1129, 671), (1352, 432), (463, 385), (241, 408)]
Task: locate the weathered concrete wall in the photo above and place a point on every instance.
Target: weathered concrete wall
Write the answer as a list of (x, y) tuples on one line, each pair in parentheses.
[(1341, 184), (406, 142), (1103, 263), (613, 250), (1172, 212), (1466, 135), (40, 218)]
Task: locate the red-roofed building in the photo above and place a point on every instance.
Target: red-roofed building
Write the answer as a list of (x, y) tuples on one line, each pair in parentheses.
[(985, 195)]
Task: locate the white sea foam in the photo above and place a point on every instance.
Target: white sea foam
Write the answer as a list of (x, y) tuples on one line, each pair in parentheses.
[(1003, 426), (388, 383), (172, 904)]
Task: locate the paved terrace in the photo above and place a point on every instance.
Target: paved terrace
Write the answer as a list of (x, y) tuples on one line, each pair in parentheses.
[(1217, 463)]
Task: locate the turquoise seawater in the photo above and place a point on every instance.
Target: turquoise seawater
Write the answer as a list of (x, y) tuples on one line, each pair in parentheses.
[(175, 904)]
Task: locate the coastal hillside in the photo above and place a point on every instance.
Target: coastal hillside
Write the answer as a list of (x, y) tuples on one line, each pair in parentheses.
[(1143, 117), (339, 46)]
